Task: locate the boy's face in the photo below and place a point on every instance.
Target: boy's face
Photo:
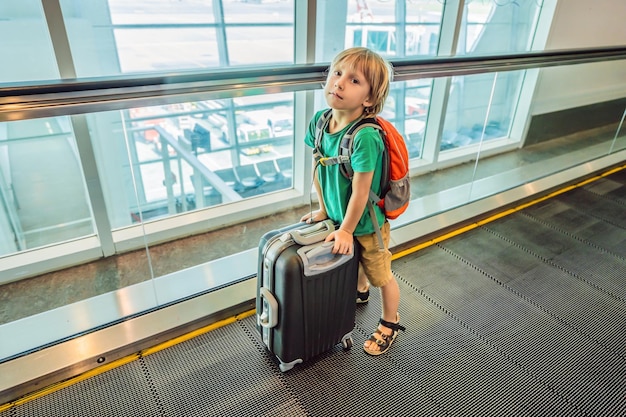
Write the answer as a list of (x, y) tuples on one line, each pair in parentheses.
[(347, 89)]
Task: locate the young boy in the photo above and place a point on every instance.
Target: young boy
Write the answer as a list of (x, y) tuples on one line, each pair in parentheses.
[(357, 86)]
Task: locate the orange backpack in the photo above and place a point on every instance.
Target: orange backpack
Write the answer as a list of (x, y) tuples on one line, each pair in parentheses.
[(395, 192)]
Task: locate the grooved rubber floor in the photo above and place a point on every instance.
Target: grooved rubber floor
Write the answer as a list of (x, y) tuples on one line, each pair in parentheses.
[(523, 316)]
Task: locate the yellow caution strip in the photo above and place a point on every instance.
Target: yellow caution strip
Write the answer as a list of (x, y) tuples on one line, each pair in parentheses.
[(122, 361), (497, 216), (196, 333), (70, 381)]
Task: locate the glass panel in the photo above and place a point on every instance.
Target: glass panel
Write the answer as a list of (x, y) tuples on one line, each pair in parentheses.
[(423, 26), (194, 155), (483, 149), (43, 191), (491, 26), (124, 12), (260, 45), (376, 25), (25, 47), (416, 102), (467, 122), (259, 11), (619, 140), (163, 49), (586, 133)]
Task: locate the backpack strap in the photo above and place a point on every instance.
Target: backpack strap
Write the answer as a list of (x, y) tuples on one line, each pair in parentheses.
[(349, 173), (343, 158), (379, 235), (349, 138), (318, 155), (345, 147)]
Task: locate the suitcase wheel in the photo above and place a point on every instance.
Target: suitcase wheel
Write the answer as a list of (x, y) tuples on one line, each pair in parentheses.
[(347, 343), (284, 367)]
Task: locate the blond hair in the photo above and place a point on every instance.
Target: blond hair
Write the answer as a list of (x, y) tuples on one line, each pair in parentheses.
[(377, 71)]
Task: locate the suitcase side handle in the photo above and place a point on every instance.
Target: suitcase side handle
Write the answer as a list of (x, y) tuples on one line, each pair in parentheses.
[(318, 258), (314, 233), (269, 316)]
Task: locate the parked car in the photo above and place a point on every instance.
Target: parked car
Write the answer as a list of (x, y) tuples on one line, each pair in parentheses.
[(280, 122), (247, 130)]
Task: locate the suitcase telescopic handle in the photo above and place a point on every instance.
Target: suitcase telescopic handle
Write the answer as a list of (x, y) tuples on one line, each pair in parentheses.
[(313, 234), (269, 306)]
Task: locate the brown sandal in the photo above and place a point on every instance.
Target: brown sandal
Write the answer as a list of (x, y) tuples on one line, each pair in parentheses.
[(383, 340)]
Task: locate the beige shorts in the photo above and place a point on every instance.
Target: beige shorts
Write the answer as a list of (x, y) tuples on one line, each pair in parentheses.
[(376, 263)]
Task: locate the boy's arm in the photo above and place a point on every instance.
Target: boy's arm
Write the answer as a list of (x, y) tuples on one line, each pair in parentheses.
[(321, 214), (320, 196), (361, 183)]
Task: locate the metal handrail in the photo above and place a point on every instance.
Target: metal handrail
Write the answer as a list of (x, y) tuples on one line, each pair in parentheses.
[(20, 101)]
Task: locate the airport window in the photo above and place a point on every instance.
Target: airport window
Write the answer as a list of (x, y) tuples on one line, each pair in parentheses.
[(109, 37), (24, 24), (41, 185), (497, 26), (386, 26)]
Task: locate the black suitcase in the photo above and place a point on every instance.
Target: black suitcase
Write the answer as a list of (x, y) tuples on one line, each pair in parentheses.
[(305, 301)]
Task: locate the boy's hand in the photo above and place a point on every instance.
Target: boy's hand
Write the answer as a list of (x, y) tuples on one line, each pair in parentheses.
[(316, 216), (344, 241)]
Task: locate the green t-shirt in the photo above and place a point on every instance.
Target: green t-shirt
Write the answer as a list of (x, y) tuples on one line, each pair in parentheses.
[(367, 154)]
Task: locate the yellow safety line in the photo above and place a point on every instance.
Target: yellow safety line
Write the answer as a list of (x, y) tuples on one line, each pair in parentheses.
[(169, 343), (499, 215), (122, 361)]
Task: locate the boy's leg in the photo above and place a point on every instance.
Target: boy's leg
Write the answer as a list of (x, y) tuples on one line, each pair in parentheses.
[(377, 263), (390, 295), (363, 287), (363, 283)]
